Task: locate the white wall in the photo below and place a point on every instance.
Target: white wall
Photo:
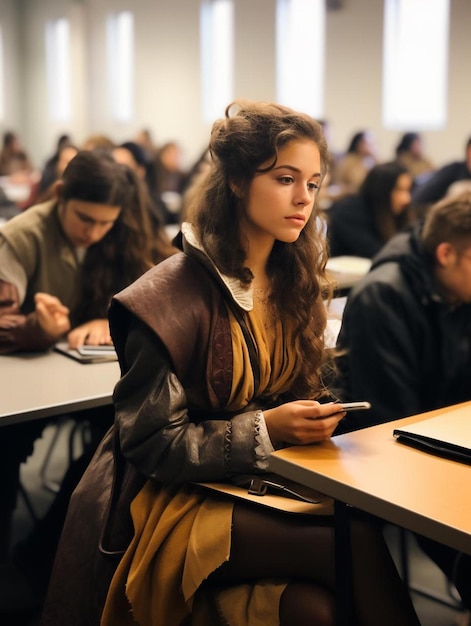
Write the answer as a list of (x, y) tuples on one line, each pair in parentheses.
[(11, 34), (353, 75), (167, 94)]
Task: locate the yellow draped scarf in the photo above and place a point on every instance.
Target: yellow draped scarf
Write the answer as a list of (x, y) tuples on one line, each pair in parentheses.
[(181, 535), (276, 358)]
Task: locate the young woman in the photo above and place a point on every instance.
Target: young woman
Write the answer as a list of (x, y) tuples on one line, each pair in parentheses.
[(221, 349), (60, 264), (62, 261), (360, 224)]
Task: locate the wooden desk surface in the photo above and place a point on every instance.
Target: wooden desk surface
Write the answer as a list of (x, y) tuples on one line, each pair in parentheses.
[(34, 386), (370, 470)]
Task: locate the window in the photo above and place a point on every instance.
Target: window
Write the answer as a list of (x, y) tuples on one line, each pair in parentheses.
[(121, 65), (415, 63), (217, 43), (58, 67), (300, 52)]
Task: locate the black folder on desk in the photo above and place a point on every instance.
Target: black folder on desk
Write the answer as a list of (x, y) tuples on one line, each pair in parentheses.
[(102, 354), (448, 435)]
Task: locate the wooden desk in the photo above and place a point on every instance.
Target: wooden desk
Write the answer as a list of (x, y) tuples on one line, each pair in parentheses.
[(39, 385), (368, 469)]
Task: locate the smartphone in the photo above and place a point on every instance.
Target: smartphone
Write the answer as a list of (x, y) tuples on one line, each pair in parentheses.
[(89, 349), (354, 406)]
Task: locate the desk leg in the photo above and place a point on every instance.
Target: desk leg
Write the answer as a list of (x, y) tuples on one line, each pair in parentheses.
[(343, 565)]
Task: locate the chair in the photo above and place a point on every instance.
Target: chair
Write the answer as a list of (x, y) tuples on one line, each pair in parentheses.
[(27, 500), (451, 599), (79, 434)]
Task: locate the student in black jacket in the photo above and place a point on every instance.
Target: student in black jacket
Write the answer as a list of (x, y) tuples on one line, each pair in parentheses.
[(438, 185), (405, 339)]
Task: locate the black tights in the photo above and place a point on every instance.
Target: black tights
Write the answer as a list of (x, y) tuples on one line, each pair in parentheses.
[(268, 544)]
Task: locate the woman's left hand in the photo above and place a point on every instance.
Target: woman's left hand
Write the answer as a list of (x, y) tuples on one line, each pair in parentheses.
[(93, 333)]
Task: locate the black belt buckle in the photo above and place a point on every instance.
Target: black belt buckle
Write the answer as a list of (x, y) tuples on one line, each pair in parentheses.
[(257, 487)]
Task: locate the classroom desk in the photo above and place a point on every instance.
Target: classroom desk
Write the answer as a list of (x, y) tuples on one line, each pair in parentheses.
[(40, 385), (369, 470), (347, 271)]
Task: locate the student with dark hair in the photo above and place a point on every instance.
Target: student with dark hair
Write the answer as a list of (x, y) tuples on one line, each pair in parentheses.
[(170, 180), (438, 185), (222, 351), (409, 153), (360, 224), (133, 155), (51, 170), (13, 157), (405, 339), (60, 264), (61, 261), (351, 168)]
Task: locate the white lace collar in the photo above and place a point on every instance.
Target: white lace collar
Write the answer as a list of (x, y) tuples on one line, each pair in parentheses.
[(243, 296)]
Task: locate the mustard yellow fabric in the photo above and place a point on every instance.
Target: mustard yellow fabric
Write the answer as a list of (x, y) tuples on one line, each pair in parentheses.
[(276, 357), (250, 605), (182, 535), (154, 565)]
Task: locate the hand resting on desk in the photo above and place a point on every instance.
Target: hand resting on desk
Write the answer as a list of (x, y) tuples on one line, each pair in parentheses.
[(95, 333), (53, 317)]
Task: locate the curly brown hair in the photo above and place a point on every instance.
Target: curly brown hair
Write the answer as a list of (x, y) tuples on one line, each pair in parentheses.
[(248, 136), (130, 247)]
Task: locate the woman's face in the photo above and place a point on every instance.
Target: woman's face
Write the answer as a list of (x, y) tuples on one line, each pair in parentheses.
[(86, 223), (400, 194), (279, 202)]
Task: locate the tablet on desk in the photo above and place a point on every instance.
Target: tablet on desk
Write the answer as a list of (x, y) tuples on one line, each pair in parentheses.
[(448, 435), (88, 354)]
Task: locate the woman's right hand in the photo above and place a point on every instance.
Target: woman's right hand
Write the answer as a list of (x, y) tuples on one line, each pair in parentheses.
[(52, 315), (302, 422)]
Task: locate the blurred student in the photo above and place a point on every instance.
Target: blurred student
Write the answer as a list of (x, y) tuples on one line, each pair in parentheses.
[(170, 179), (132, 154), (351, 168), (409, 153), (360, 224), (144, 139), (437, 186), (98, 142), (49, 171), (54, 169), (21, 179), (14, 160), (405, 339)]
